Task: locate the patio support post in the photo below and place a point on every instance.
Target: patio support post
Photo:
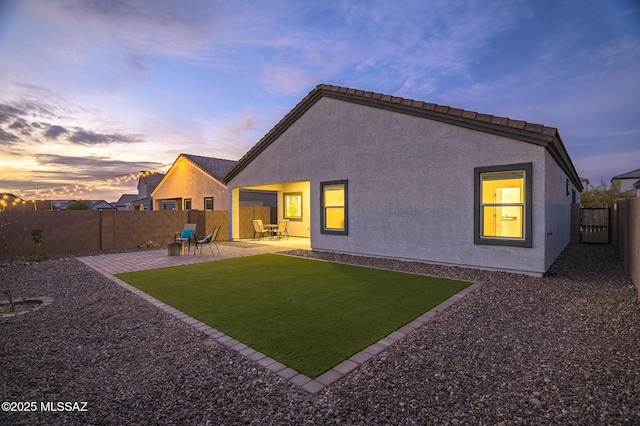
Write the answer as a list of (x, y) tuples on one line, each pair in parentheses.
[(234, 223)]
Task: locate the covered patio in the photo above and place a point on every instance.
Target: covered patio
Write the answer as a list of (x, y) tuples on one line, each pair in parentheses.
[(292, 243), (293, 204)]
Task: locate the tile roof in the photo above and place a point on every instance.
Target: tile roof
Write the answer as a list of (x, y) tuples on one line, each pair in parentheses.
[(126, 198), (441, 109), (216, 167), (515, 129), (151, 179)]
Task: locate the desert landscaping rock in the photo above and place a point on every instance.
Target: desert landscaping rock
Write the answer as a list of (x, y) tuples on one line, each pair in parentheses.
[(562, 349)]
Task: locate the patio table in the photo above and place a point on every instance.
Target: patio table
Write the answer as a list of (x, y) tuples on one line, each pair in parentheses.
[(273, 227)]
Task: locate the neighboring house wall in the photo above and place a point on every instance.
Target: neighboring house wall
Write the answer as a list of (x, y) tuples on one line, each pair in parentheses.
[(410, 185), (625, 185), (626, 182), (186, 181)]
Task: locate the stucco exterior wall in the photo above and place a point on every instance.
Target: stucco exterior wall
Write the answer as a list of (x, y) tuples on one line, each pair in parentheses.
[(185, 180), (557, 210), (410, 183)]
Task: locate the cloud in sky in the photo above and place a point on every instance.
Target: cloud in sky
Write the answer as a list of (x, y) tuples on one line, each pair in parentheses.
[(140, 81)]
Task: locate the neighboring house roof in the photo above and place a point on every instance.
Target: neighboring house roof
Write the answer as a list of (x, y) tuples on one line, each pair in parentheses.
[(95, 204), (516, 129), (151, 179), (12, 202), (61, 204), (216, 167), (126, 198), (100, 204), (635, 174)]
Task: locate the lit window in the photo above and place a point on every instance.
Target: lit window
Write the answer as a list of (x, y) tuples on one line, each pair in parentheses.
[(208, 203), (503, 205), (333, 207)]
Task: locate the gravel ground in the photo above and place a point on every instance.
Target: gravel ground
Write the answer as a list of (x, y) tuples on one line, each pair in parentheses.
[(521, 350)]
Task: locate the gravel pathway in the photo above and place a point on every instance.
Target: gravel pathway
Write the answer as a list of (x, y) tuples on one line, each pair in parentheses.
[(521, 350)]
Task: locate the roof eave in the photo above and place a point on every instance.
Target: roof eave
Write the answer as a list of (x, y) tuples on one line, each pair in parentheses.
[(538, 134)]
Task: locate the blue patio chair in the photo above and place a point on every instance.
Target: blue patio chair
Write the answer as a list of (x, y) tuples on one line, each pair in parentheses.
[(188, 233)]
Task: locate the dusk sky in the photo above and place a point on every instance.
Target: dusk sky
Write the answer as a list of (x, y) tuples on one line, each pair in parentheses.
[(92, 89)]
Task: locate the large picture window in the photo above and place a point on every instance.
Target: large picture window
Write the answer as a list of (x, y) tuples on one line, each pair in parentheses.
[(333, 207), (292, 205), (503, 205)]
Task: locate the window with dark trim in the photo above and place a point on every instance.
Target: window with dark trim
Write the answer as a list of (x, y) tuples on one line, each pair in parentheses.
[(187, 203), (208, 203), (503, 211), (334, 210)]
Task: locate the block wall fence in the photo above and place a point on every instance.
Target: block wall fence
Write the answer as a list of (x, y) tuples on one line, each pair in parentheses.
[(625, 236), (66, 231), (77, 231)]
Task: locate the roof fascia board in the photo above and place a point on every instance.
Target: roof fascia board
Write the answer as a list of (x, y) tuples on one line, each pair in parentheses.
[(165, 177), (273, 134)]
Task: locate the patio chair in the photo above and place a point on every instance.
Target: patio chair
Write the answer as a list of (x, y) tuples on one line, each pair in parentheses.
[(208, 240), (259, 229), (188, 233), (283, 229)]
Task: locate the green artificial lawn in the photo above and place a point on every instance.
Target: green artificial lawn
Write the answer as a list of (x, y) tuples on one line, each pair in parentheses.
[(309, 315)]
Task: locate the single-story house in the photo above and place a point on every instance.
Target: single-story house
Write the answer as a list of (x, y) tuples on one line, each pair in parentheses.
[(193, 182), (9, 201), (625, 182), (89, 204), (372, 174)]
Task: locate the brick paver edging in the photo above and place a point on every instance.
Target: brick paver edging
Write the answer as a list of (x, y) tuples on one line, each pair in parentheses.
[(313, 386)]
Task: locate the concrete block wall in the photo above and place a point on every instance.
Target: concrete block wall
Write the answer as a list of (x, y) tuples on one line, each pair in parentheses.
[(214, 218), (78, 231), (63, 231), (132, 228), (625, 236), (249, 213)]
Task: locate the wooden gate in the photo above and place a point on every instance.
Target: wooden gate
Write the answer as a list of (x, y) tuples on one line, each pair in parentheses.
[(595, 225)]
